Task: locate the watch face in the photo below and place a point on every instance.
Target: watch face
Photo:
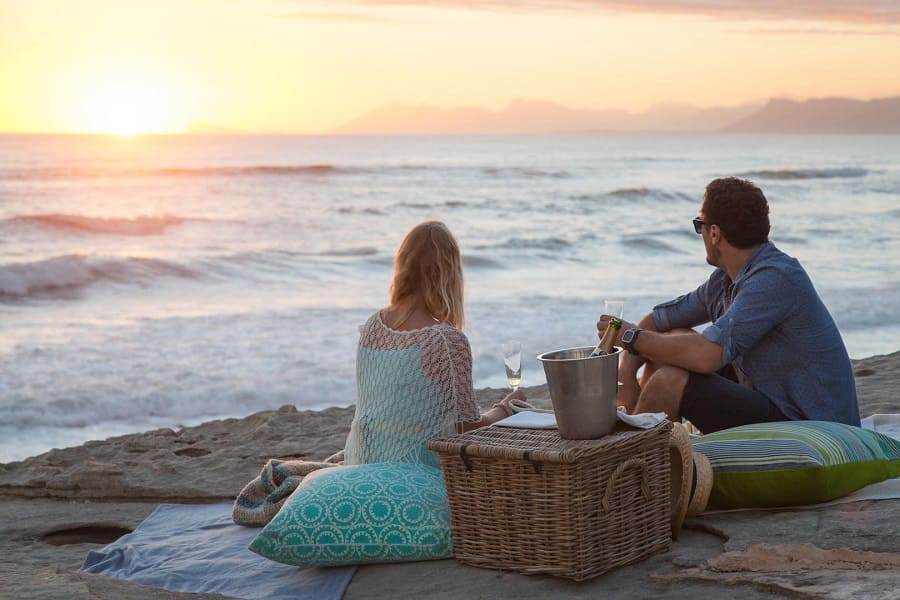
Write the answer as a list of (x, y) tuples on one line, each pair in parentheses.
[(628, 339)]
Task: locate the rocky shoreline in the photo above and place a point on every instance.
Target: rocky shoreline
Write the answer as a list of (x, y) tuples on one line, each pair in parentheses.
[(57, 506)]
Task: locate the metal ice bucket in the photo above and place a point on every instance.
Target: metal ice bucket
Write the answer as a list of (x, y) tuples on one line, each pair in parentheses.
[(583, 391)]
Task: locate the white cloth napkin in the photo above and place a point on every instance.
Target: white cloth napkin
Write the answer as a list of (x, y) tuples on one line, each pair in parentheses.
[(529, 420), (888, 424), (642, 420), (541, 420)]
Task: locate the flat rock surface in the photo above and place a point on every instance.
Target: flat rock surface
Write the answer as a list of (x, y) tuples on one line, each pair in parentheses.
[(209, 462), (56, 507)]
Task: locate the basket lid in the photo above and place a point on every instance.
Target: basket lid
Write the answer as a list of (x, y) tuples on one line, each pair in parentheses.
[(543, 445)]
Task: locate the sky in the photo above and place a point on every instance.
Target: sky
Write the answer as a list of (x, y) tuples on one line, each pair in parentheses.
[(306, 66)]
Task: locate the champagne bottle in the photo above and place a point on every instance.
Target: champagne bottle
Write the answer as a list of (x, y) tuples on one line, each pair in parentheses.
[(609, 338)]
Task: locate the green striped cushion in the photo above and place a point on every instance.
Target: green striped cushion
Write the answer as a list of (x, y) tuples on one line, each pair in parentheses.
[(794, 463)]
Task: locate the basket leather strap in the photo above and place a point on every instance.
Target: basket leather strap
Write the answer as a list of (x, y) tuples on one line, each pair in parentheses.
[(535, 464)]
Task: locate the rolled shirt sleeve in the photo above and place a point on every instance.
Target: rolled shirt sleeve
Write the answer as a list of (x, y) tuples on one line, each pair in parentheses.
[(688, 310)]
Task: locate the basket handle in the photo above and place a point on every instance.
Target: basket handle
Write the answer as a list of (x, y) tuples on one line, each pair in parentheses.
[(645, 480), (465, 457)]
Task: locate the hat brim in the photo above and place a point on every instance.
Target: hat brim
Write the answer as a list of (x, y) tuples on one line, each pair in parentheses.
[(681, 465), (701, 486)]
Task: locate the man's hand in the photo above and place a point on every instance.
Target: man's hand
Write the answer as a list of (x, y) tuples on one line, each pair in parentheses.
[(603, 323)]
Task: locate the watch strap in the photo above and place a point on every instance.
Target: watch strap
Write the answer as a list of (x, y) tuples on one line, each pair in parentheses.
[(629, 338)]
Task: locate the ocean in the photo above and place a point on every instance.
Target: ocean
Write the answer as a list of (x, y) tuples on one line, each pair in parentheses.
[(161, 281)]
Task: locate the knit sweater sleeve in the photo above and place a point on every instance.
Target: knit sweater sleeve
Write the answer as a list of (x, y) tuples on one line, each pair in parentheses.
[(451, 361)]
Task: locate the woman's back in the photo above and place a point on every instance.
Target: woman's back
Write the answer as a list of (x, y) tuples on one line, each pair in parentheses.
[(412, 386)]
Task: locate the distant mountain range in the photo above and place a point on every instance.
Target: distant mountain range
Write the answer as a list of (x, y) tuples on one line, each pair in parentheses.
[(827, 115)]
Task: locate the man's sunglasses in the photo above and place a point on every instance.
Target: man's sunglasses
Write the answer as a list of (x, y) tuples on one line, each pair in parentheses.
[(698, 224)]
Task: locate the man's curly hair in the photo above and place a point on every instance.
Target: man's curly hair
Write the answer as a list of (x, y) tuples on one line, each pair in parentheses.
[(740, 210)]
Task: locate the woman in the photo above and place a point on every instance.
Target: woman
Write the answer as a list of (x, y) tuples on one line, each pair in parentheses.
[(414, 364)]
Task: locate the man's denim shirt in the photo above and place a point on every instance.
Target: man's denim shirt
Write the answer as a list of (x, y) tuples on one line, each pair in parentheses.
[(774, 328)]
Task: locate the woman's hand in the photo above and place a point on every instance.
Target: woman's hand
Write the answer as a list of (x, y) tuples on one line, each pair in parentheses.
[(500, 410), (515, 395), (504, 404)]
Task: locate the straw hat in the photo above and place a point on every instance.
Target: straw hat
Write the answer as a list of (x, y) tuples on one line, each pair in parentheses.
[(702, 485), (690, 478)]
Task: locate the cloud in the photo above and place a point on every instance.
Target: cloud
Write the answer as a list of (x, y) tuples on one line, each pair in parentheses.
[(836, 11), (867, 31), (351, 17)]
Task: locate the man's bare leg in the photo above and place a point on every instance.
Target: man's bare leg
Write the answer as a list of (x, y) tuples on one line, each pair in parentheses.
[(631, 390), (663, 392)]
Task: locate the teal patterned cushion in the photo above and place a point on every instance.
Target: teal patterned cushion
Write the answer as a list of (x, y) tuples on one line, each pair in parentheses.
[(349, 515), (794, 463)]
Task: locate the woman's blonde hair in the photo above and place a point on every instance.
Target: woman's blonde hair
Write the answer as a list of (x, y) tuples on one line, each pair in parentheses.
[(428, 266)]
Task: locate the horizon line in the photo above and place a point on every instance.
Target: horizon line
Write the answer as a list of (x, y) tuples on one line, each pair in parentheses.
[(332, 131), (125, 138)]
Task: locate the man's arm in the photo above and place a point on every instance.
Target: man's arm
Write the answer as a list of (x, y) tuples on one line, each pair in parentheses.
[(690, 350)]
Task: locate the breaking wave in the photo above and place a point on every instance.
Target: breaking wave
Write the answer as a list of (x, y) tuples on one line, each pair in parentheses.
[(524, 172), (791, 174), (636, 194), (61, 275), (649, 244), (88, 172), (144, 225)]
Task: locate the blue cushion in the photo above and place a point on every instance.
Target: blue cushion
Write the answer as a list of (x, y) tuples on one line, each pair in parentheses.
[(374, 513)]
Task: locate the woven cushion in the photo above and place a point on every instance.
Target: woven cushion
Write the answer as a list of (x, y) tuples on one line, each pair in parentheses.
[(374, 513), (795, 462)]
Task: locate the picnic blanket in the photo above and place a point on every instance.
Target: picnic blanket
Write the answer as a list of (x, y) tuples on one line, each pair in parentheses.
[(197, 548)]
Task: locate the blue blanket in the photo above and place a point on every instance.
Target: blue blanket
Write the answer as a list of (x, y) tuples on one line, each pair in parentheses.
[(198, 548)]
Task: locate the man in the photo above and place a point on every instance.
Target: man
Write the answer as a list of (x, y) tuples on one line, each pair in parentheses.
[(772, 352)]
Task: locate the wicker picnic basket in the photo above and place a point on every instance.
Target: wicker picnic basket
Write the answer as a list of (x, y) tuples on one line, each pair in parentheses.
[(527, 500)]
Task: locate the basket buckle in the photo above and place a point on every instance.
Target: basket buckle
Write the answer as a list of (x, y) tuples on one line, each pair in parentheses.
[(535, 464)]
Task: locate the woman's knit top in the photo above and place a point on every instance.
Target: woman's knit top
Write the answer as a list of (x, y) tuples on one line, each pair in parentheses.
[(412, 386)]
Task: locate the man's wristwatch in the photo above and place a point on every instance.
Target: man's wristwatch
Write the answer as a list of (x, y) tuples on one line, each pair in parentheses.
[(629, 338)]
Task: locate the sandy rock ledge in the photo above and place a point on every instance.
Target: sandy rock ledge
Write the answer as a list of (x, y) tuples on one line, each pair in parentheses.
[(56, 507)]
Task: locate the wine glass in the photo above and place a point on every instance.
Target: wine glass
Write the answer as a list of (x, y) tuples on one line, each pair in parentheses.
[(512, 360), (614, 308)]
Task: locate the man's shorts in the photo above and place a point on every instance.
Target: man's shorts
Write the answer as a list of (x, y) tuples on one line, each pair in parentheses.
[(717, 401)]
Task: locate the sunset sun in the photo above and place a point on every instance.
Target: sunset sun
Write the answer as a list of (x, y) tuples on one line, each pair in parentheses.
[(128, 106)]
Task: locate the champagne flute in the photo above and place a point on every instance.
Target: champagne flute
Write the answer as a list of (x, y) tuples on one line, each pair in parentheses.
[(614, 308), (611, 308), (512, 361)]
